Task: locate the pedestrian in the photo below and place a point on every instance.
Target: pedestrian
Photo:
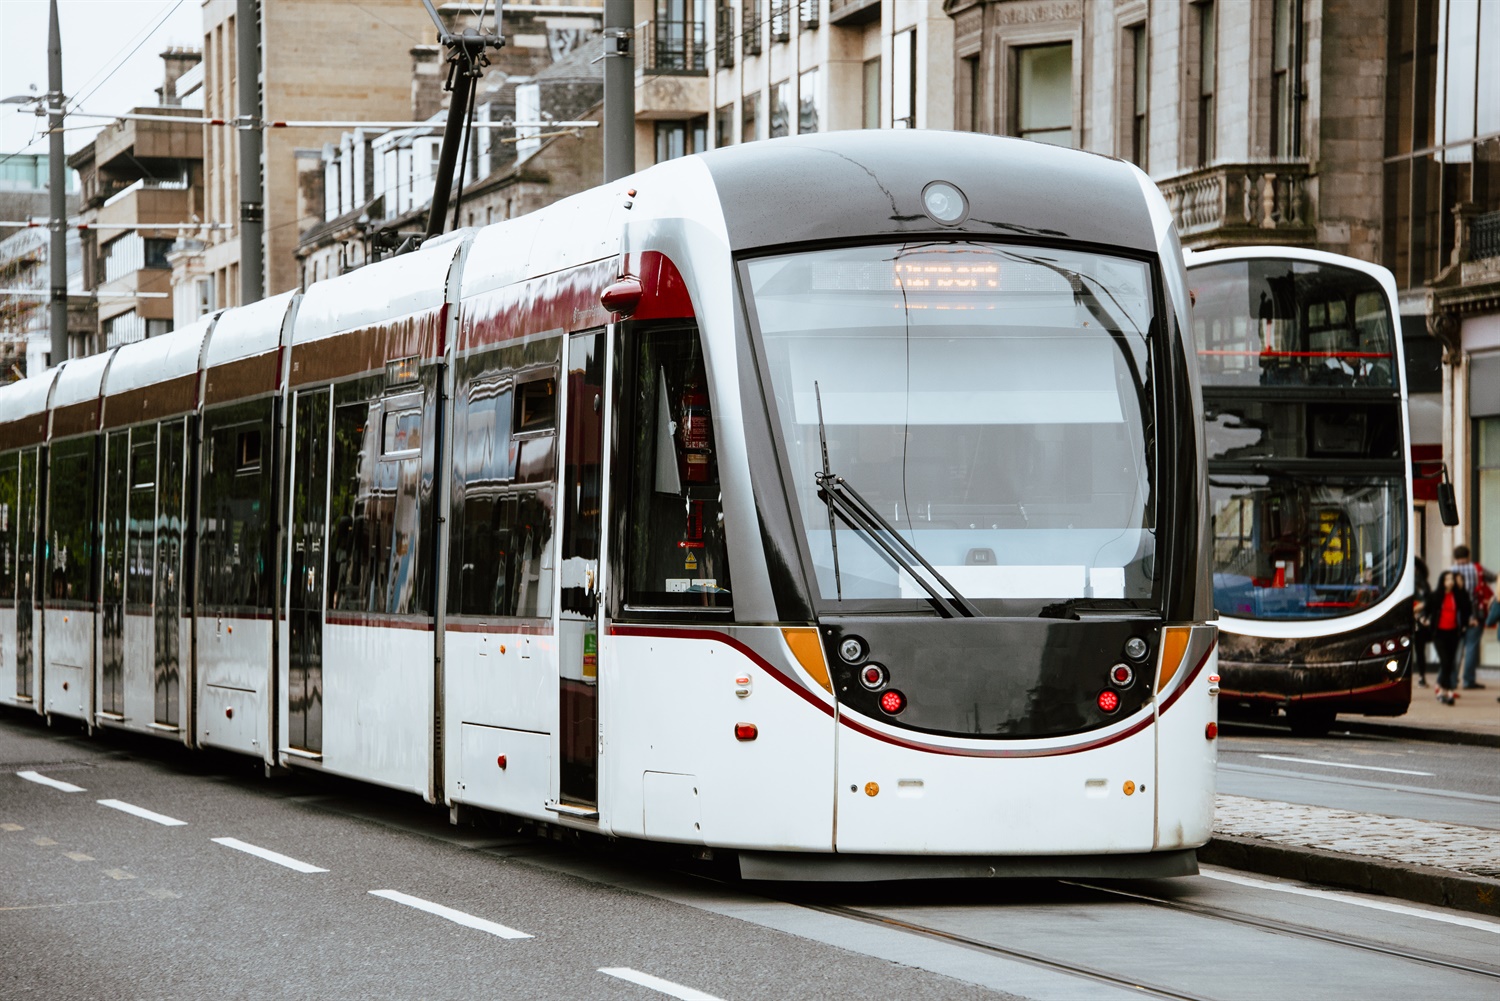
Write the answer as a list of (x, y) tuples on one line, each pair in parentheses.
[(1449, 610), (1476, 580), (1422, 634)]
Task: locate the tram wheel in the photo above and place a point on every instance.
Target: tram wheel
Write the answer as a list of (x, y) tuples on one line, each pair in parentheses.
[(1311, 722)]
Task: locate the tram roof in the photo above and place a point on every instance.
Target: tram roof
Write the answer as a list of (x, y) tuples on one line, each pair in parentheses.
[(160, 359), (249, 330), (80, 380), (841, 185), (25, 397), (380, 292)]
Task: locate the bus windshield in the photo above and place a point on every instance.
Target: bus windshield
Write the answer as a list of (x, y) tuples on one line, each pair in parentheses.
[(1303, 427), (992, 403), (1280, 322)]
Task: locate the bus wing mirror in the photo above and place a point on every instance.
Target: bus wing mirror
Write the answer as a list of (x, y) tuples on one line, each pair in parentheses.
[(1447, 506)]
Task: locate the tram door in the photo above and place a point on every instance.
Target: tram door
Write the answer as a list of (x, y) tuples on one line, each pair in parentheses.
[(112, 612), (305, 602), (26, 589), (170, 496), (578, 609)]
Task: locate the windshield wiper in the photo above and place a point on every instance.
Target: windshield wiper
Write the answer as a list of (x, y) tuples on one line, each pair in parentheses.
[(843, 500)]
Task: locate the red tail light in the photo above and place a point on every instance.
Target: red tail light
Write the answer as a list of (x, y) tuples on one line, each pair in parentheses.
[(1211, 731), (746, 731), (1109, 701), (892, 702)]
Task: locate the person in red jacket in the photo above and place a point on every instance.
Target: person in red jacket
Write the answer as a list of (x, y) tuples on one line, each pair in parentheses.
[(1448, 611)]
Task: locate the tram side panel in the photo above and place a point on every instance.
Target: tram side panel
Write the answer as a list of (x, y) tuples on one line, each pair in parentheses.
[(17, 671), (501, 689), (1186, 741), (236, 574), (359, 695), (68, 577)]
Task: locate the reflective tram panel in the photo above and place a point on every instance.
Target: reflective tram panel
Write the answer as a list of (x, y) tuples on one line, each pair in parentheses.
[(239, 514), (145, 621), (23, 430), (66, 556), (364, 379)]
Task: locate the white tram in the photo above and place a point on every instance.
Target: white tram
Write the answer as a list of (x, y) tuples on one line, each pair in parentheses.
[(834, 501)]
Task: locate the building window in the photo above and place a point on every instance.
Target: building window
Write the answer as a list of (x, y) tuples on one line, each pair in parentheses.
[(1137, 93), (969, 92), (780, 115), (156, 251), (1208, 50), (1286, 78), (1044, 93), (750, 117), (724, 126), (123, 329), (904, 80), (155, 328), (750, 27), (808, 13), (781, 20), (1487, 430), (681, 137), (1411, 177), (205, 289), (871, 117), (807, 102), (678, 36), (723, 34)]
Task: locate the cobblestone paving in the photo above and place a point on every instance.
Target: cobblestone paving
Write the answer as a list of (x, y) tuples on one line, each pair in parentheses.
[(1415, 842)]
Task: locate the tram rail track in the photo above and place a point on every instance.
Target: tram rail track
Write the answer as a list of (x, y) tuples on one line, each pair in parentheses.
[(1290, 928)]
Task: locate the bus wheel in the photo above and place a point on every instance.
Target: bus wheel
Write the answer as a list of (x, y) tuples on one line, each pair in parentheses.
[(1310, 722)]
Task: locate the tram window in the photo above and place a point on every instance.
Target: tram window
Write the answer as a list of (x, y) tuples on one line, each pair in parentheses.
[(402, 431), (351, 544), (536, 406), (235, 536), (247, 450), (71, 521), (676, 554), (140, 533)]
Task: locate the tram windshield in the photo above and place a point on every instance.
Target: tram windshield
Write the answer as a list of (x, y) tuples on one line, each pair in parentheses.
[(1305, 547), (992, 403)]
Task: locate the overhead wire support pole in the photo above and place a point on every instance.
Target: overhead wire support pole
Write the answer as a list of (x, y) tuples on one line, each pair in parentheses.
[(57, 254), (619, 90), (466, 63), (252, 182)]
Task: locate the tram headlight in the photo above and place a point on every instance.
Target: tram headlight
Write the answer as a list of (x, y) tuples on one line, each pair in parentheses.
[(852, 649), (1393, 665), (1136, 648), (945, 203)]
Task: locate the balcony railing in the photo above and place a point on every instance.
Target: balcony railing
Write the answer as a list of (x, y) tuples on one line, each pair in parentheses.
[(673, 46), (853, 12), (1484, 238), (1229, 203)]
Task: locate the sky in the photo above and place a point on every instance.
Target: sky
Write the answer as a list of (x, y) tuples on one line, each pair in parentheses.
[(111, 45)]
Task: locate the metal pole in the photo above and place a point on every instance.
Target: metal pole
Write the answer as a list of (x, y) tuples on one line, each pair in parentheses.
[(252, 183), (57, 181), (619, 90), (458, 105)]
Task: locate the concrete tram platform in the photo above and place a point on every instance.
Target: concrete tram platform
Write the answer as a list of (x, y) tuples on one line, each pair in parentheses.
[(1447, 865)]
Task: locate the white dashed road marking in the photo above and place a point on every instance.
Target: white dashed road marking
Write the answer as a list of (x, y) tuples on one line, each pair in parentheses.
[(457, 917), (656, 983), (143, 813), (1349, 898), (1338, 764), (41, 779), (267, 854)]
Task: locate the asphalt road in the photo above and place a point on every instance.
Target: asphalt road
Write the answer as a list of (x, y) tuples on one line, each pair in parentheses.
[(1450, 783), (198, 878)]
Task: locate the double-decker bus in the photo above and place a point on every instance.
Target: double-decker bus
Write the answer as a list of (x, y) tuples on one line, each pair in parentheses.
[(1306, 428)]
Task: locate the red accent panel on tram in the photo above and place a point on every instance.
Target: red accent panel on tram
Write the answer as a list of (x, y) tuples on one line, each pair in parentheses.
[(664, 294)]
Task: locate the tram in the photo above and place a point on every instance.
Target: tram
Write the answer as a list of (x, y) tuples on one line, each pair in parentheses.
[(1306, 420), (832, 503)]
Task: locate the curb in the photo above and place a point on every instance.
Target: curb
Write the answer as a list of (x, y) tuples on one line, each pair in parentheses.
[(1408, 732), (1422, 884)]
